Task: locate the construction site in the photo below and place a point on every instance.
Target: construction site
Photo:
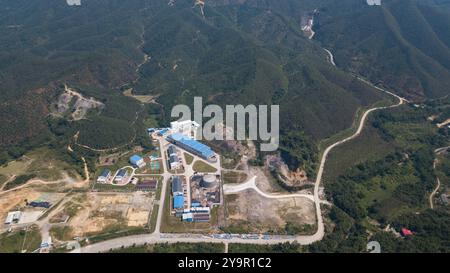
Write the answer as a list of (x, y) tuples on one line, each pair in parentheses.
[(249, 212)]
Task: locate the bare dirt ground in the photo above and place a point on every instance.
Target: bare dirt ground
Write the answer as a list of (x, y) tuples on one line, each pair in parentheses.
[(104, 210), (264, 180), (259, 214), (15, 200), (141, 98), (76, 103)]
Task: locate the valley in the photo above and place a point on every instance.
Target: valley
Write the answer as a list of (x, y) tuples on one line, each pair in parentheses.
[(91, 155)]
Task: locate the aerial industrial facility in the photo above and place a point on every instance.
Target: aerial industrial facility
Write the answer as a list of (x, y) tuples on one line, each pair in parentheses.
[(137, 161), (205, 190), (187, 127), (192, 197), (192, 146)]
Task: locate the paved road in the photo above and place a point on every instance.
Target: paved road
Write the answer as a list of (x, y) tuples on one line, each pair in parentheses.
[(251, 184), (434, 192), (438, 151), (442, 150), (331, 57), (158, 237)]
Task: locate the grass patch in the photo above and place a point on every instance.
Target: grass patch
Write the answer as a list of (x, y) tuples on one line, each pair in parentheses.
[(18, 181), (202, 167), (323, 144), (23, 240), (230, 177), (115, 233), (279, 248), (189, 158), (153, 218), (3, 179), (16, 167), (61, 233), (159, 189), (174, 248), (114, 188), (140, 98), (43, 163), (368, 146)]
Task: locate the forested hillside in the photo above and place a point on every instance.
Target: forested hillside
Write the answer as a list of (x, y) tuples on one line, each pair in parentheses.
[(235, 52), (228, 56), (403, 44)]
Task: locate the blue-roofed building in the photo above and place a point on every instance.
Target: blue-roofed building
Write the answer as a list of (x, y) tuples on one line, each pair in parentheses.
[(178, 202), (172, 150), (162, 132), (174, 162), (192, 145), (137, 161), (104, 176), (177, 186), (122, 174)]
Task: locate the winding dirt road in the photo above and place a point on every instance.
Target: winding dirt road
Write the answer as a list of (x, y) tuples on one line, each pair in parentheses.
[(438, 181), (158, 237), (251, 184)]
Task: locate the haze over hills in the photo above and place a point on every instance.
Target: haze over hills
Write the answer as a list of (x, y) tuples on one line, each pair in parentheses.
[(235, 52), (81, 84), (403, 44)]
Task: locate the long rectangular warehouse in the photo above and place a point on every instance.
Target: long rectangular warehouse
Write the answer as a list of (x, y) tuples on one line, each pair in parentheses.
[(191, 145)]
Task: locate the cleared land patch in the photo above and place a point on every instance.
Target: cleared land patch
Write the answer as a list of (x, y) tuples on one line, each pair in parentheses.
[(248, 212), (231, 177), (202, 167), (108, 212)]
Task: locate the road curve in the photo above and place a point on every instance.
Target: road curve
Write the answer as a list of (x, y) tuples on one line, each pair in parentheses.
[(158, 237), (434, 192), (331, 57), (320, 227), (251, 184), (438, 181)]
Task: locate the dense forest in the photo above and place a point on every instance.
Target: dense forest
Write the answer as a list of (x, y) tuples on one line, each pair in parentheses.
[(392, 191), (247, 52), (227, 57)]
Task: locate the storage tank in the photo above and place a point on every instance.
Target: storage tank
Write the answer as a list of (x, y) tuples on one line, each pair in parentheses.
[(208, 181)]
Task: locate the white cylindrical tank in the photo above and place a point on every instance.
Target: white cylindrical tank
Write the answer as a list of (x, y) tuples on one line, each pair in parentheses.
[(208, 181)]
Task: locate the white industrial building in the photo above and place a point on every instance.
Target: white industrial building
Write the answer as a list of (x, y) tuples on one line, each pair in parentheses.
[(185, 127), (13, 217)]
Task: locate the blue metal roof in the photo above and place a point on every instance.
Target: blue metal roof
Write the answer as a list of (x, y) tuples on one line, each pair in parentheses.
[(173, 158), (105, 172), (163, 131), (176, 184), (122, 172), (193, 144), (178, 202), (134, 159), (172, 150)]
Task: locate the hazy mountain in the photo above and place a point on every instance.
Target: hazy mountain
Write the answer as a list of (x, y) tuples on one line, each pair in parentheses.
[(236, 51), (404, 44)]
